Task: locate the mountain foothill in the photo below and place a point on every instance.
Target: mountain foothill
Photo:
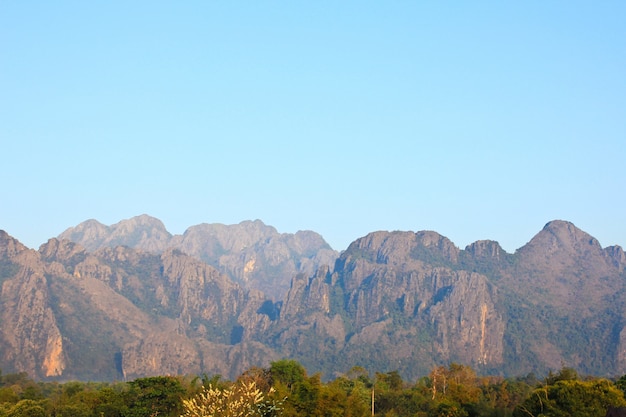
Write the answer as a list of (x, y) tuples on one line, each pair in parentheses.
[(132, 300)]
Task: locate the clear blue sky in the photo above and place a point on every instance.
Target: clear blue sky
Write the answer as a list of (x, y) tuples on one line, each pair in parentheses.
[(479, 120)]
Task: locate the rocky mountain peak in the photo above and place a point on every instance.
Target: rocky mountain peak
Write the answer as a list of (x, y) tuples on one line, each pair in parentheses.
[(394, 299), (564, 266), (439, 245), (562, 237), (60, 250), (382, 247), (617, 254), (9, 246), (90, 233), (252, 253), (234, 237), (485, 249), (142, 232), (567, 233), (143, 221), (393, 247)]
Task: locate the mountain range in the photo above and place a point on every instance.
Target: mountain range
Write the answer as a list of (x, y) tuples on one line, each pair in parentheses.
[(117, 302)]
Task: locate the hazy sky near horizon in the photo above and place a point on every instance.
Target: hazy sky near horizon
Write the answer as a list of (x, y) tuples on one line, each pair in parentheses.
[(479, 120)]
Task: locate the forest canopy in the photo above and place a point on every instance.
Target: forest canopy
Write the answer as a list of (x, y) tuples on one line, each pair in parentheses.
[(286, 389)]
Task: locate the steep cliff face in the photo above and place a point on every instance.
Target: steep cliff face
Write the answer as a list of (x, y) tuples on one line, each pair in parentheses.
[(385, 305), (119, 313), (393, 301), (251, 253), (617, 256), (29, 335), (411, 284), (311, 326), (566, 300), (414, 298)]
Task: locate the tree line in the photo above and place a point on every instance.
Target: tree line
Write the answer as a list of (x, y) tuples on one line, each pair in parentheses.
[(286, 389)]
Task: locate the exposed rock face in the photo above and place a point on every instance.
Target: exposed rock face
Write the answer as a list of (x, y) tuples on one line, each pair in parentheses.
[(256, 255), (251, 253), (564, 267), (568, 293), (399, 308), (413, 298), (617, 257), (31, 340), (393, 301), (485, 250), (118, 313)]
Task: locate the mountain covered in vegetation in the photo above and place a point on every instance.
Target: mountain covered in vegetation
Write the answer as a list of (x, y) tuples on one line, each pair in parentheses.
[(131, 300)]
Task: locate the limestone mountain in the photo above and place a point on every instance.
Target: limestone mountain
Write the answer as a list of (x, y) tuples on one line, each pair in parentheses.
[(141, 232), (30, 338), (412, 300), (403, 301), (251, 253), (568, 295), (395, 301), (119, 313)]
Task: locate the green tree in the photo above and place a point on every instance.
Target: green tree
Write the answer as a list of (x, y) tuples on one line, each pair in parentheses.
[(159, 395), (389, 381), (621, 384), (111, 401), (27, 408), (357, 392), (572, 398), (447, 408), (8, 395), (288, 372), (331, 401), (564, 374)]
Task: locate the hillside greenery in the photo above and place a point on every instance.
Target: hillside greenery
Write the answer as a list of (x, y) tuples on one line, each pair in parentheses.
[(286, 389)]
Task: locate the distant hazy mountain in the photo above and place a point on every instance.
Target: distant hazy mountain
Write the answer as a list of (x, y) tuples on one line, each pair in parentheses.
[(392, 301), (251, 253)]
